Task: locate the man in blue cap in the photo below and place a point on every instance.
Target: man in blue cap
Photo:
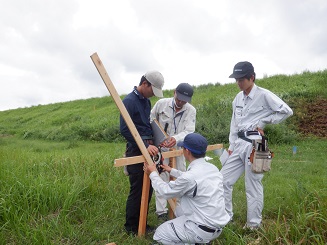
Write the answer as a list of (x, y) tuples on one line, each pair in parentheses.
[(253, 108), (177, 117), (200, 215)]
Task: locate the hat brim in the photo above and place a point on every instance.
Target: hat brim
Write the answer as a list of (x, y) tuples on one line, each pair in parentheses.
[(180, 144), (157, 92), (183, 97), (239, 75)]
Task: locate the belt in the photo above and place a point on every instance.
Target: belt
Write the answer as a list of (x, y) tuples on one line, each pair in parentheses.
[(244, 134), (146, 137), (207, 229)]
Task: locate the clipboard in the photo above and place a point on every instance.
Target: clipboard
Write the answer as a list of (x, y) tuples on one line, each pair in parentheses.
[(159, 135)]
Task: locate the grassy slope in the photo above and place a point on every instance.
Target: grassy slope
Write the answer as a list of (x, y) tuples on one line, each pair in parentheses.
[(57, 189), (97, 119)]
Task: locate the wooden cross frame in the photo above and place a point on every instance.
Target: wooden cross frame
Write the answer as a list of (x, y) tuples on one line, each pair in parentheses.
[(145, 154), (172, 154)]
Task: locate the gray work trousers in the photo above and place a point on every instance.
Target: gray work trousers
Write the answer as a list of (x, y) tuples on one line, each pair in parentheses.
[(237, 164)]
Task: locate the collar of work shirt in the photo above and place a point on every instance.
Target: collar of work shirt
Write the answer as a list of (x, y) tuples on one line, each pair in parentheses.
[(177, 115)]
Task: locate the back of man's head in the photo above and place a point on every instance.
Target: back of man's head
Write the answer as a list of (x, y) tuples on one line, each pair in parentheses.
[(195, 143)]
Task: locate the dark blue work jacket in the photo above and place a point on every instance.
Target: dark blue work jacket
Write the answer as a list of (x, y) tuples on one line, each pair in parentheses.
[(139, 109)]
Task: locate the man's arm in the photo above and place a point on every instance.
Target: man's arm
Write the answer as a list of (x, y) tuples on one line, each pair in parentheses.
[(169, 190), (233, 130), (124, 130), (280, 109)]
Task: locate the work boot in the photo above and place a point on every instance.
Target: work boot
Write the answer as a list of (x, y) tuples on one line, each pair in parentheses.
[(163, 217)]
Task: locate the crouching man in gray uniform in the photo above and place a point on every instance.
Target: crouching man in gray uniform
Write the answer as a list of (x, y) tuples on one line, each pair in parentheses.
[(201, 214)]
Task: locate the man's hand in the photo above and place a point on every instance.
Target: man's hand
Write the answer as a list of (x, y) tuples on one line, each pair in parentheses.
[(153, 150), (169, 143), (260, 130), (166, 168), (149, 168)]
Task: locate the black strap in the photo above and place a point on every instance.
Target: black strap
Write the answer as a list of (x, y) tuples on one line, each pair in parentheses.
[(242, 136), (252, 133), (146, 137), (264, 143), (195, 190), (166, 127), (173, 227), (207, 229)]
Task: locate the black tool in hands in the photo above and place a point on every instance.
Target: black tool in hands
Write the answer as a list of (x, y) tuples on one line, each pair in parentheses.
[(158, 160)]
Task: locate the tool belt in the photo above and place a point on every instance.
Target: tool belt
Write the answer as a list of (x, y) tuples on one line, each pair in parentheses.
[(260, 156), (244, 134)]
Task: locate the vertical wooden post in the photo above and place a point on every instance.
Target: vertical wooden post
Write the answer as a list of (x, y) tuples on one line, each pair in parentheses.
[(146, 181), (172, 163)]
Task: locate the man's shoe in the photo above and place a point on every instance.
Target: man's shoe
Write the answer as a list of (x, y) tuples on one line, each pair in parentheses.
[(163, 217), (132, 231), (150, 229), (251, 228)]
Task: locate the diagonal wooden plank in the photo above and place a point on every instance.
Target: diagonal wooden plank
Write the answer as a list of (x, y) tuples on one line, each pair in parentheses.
[(146, 181)]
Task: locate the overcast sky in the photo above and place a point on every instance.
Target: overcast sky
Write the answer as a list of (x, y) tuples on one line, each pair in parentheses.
[(45, 45)]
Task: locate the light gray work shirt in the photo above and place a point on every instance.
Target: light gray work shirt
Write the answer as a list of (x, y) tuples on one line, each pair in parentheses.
[(256, 110), (177, 124), (200, 190)]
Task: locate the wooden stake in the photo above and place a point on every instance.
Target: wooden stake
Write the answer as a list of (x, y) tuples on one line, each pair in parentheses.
[(172, 203), (146, 181)]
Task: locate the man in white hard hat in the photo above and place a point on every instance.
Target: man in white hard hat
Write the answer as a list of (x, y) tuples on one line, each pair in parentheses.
[(138, 106)]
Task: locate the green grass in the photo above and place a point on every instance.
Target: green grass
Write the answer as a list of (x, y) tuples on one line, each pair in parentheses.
[(97, 119), (65, 193), (295, 209), (58, 184)]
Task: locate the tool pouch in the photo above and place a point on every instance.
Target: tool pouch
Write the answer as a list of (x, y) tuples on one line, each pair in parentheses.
[(260, 156)]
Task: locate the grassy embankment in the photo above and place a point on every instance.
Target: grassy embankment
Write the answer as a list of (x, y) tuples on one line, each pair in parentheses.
[(58, 185)]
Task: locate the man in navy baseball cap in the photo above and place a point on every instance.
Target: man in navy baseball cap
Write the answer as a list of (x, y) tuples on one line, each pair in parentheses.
[(195, 143), (252, 107), (242, 69), (184, 92), (200, 212), (177, 117)]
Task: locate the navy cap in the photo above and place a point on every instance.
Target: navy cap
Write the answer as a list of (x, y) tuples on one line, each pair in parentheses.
[(242, 69), (195, 143), (184, 92)]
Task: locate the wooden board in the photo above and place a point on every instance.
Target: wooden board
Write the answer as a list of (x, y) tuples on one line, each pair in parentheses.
[(146, 181), (167, 154), (172, 202)]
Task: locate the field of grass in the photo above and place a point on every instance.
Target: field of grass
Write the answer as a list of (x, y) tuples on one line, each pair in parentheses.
[(58, 184), (64, 193)]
